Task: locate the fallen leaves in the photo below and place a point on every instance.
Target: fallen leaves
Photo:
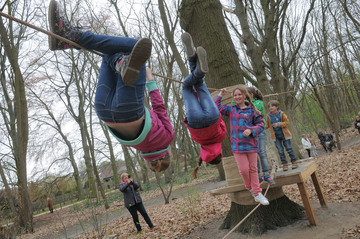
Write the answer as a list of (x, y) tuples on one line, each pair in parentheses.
[(338, 173)]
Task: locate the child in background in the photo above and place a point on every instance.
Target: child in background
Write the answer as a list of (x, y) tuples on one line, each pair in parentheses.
[(278, 123), (257, 99), (245, 125), (202, 115), (119, 98)]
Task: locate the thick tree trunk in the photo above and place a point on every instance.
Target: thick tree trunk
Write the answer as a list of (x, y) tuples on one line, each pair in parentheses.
[(281, 212)]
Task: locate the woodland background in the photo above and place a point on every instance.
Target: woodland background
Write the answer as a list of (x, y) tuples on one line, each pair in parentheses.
[(303, 53)]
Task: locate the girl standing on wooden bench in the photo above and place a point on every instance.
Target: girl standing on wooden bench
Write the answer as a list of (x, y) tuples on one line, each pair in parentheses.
[(245, 125)]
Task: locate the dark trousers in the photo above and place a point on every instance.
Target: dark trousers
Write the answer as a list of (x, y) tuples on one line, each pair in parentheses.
[(133, 211), (308, 150)]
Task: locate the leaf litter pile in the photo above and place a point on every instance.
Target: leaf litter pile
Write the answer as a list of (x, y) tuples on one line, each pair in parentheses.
[(338, 173)]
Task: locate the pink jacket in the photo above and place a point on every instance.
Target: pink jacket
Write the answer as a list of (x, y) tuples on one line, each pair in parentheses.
[(209, 138), (154, 140)]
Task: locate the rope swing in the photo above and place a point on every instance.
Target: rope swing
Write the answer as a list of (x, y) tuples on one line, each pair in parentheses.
[(164, 77)]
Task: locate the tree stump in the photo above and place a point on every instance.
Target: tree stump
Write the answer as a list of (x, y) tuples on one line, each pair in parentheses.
[(281, 211)]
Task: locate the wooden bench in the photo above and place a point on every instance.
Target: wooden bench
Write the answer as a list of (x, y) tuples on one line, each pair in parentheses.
[(299, 176)]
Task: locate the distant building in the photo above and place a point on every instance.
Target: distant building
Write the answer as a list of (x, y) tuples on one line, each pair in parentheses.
[(106, 172)]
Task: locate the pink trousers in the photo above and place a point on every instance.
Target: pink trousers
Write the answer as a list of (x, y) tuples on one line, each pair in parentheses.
[(247, 164)]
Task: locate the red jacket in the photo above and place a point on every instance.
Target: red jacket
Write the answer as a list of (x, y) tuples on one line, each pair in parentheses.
[(209, 138)]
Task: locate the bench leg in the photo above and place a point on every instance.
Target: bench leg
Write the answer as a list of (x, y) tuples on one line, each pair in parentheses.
[(308, 208), (318, 189)]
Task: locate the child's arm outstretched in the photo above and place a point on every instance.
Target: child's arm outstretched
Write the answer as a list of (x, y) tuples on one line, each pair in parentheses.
[(224, 109), (157, 102)]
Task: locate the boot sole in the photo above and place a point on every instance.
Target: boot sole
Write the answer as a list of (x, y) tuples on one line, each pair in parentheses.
[(202, 59), (51, 16), (139, 55), (188, 44)]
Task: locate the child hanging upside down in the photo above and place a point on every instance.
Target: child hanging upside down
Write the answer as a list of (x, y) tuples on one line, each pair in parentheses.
[(119, 98), (202, 116)]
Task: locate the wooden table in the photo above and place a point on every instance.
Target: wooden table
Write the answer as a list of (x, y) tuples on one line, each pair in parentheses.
[(299, 176)]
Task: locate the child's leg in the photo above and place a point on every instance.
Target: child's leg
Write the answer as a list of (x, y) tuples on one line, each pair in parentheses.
[(280, 148), (114, 101), (289, 149), (247, 165), (210, 112), (107, 44), (194, 112), (262, 154)]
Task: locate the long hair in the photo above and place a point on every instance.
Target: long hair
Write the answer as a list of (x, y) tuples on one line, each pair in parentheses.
[(243, 90), (257, 93)]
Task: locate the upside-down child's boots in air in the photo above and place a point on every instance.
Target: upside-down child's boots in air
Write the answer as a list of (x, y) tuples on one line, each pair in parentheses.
[(60, 26), (129, 65)]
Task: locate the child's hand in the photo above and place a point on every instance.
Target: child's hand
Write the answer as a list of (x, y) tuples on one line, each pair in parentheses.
[(276, 125), (149, 75), (247, 132), (223, 91)]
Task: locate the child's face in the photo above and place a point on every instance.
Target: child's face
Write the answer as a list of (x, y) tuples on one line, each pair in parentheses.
[(239, 98), (273, 109)]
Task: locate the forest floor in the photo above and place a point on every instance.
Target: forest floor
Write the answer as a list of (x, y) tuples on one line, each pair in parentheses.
[(194, 213)]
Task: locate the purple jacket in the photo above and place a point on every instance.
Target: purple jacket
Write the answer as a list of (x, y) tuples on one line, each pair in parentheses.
[(154, 140), (240, 120)]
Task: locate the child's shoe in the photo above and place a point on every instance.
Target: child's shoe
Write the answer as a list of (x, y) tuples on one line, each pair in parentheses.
[(269, 180), (294, 165), (260, 180), (129, 65), (202, 59), (285, 167), (261, 199), (60, 26), (188, 44)]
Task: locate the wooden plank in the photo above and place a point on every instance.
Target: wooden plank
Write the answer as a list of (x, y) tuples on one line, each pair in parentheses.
[(308, 208), (308, 171), (281, 178), (318, 190)]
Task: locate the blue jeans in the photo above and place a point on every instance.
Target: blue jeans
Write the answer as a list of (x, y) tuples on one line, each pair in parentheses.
[(262, 154), (201, 112), (114, 101), (280, 143)]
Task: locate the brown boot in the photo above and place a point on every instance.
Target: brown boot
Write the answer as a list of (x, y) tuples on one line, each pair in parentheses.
[(294, 165), (285, 167)]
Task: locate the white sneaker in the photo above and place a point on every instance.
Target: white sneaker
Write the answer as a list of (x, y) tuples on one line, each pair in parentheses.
[(261, 199)]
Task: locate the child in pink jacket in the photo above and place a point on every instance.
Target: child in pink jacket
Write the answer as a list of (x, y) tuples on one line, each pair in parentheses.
[(119, 98)]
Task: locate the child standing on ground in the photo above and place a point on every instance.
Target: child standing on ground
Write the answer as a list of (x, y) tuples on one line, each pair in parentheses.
[(202, 115), (119, 98), (257, 99), (245, 125), (278, 123)]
